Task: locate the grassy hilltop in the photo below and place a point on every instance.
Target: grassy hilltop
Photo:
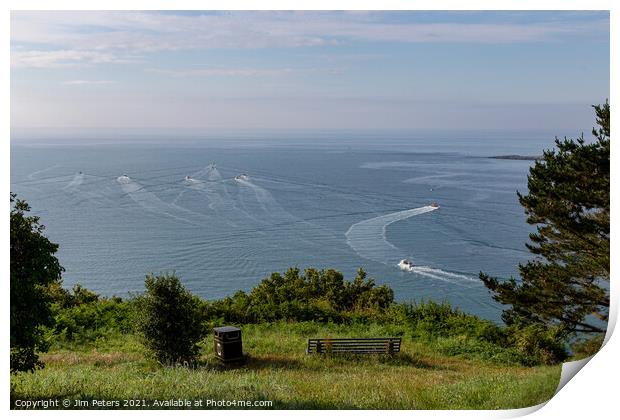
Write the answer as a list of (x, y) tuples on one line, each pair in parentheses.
[(423, 376), (449, 359)]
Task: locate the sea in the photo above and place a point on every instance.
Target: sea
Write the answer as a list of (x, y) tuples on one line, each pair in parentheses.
[(224, 211)]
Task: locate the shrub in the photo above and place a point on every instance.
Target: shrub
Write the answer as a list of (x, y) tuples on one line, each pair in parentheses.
[(433, 319), (587, 347), (169, 320), (456, 333), (537, 344), (64, 298), (318, 295), (82, 316), (92, 320)]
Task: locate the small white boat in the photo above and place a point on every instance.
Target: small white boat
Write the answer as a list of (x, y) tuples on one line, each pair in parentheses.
[(188, 178), (242, 177), (406, 265), (435, 205)]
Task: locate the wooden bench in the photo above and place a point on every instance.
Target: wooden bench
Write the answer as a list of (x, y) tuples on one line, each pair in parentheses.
[(384, 345)]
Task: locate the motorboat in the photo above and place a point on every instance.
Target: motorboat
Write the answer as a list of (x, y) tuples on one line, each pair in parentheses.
[(434, 205), (242, 177), (406, 265), (188, 178)]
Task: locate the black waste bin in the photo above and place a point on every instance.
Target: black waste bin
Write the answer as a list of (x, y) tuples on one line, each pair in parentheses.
[(227, 341)]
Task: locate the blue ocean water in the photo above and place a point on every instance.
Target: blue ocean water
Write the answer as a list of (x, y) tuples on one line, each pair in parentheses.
[(122, 208)]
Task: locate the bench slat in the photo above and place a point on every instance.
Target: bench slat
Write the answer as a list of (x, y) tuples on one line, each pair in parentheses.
[(356, 339), (363, 345), (367, 343), (355, 344), (354, 347), (353, 351)]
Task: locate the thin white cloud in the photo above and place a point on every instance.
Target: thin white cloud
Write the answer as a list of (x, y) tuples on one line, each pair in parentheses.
[(89, 82), (60, 58), (142, 32), (243, 72), (288, 95), (233, 72)]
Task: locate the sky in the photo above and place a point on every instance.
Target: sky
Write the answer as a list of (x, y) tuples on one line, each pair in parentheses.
[(307, 70)]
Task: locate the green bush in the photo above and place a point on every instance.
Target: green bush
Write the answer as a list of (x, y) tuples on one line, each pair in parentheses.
[(457, 333), (81, 316), (93, 320), (78, 295), (319, 295), (537, 344), (431, 319), (169, 320), (588, 346)]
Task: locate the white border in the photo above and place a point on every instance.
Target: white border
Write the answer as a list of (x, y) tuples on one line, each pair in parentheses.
[(591, 395)]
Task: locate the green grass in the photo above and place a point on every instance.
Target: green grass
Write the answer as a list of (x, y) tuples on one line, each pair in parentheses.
[(423, 376)]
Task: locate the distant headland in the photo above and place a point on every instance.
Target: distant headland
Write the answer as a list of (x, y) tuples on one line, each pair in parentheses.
[(516, 157)]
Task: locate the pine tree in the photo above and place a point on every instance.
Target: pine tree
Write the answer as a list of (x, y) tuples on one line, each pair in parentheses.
[(567, 283)]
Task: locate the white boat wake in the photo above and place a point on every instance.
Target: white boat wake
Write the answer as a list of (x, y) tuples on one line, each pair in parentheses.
[(77, 180), (438, 274), (36, 174), (264, 199), (368, 239), (209, 182), (269, 210), (150, 202)]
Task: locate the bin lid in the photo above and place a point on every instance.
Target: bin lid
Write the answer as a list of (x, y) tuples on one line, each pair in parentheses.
[(226, 329)]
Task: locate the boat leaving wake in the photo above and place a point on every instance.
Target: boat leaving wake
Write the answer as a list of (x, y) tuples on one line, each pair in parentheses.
[(150, 202), (78, 179), (368, 239), (437, 274)]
